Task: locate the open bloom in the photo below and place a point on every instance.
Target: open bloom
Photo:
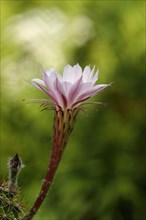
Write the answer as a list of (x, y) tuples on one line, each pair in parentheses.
[(67, 93), (71, 89)]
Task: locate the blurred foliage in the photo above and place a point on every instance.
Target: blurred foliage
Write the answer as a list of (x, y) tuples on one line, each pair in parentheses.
[(102, 175)]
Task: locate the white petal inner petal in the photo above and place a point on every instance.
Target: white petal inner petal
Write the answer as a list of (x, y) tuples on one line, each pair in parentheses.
[(77, 72), (86, 73), (95, 78), (68, 74)]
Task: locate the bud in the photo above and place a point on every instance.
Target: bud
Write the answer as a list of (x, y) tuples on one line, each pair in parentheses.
[(15, 165)]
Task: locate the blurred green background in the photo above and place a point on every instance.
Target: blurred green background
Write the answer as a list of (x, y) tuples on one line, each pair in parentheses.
[(102, 175)]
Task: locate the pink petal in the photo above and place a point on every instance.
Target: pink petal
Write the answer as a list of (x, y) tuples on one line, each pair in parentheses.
[(91, 73), (91, 92), (44, 90), (68, 74), (38, 81), (100, 87), (61, 91), (64, 88), (74, 90), (86, 73), (77, 72), (95, 78), (49, 82)]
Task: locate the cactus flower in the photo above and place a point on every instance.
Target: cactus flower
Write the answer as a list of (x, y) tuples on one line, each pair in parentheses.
[(71, 89), (67, 93)]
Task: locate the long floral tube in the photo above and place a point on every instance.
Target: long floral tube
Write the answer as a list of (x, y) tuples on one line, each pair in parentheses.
[(63, 125)]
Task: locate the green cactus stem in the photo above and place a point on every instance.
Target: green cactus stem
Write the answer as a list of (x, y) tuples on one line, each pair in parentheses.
[(11, 206)]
